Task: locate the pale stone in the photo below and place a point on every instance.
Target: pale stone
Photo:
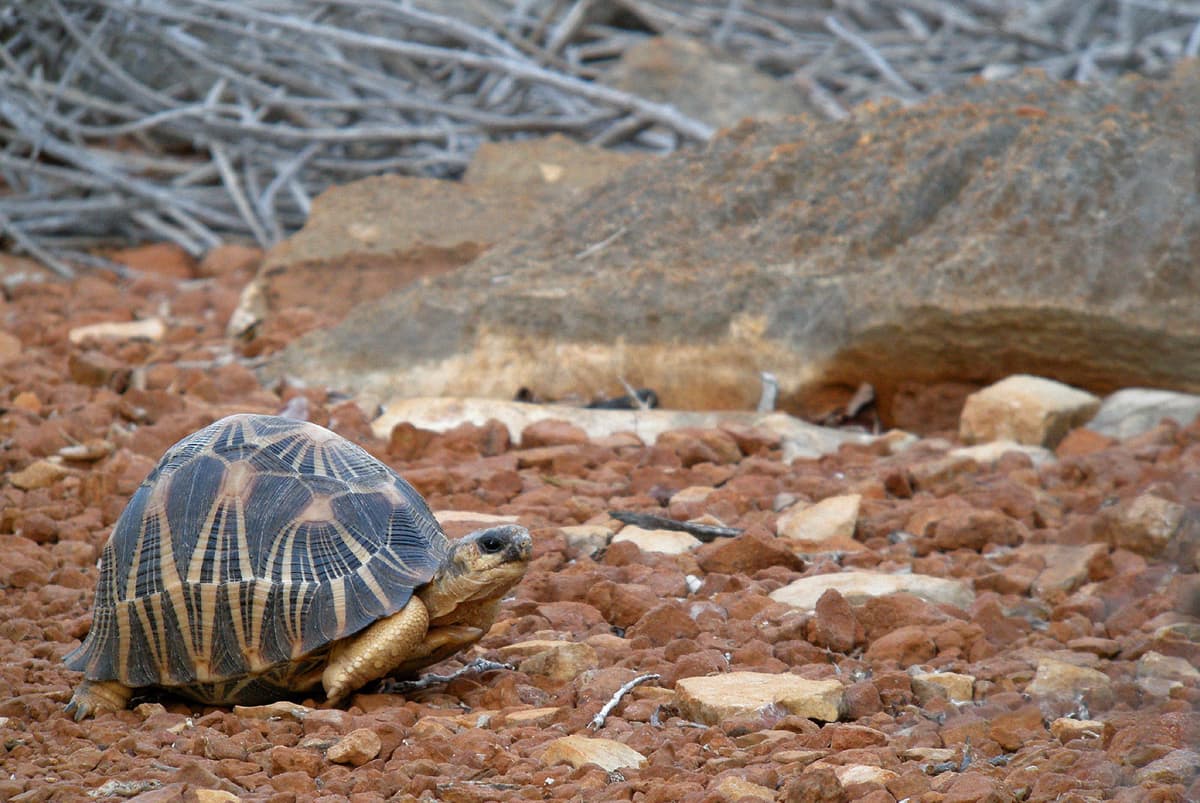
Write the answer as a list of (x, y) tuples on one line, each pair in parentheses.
[(1132, 411), (39, 474), (355, 748), (145, 329), (214, 796), (27, 401), (831, 521), (1026, 409), (731, 787), (447, 516), (87, 452), (863, 773), (691, 494), (334, 718), (953, 686), (564, 661), (531, 717), (1066, 729), (587, 539), (802, 440), (934, 755), (859, 586), (608, 754), (521, 650), (278, 710), (801, 757), (1066, 567), (1056, 677), (10, 347), (1158, 674), (1176, 767), (898, 441), (716, 698), (670, 542), (1147, 525), (987, 454), (442, 413)]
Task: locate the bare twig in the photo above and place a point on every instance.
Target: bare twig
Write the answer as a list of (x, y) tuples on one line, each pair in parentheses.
[(598, 721), (704, 532), (197, 120)]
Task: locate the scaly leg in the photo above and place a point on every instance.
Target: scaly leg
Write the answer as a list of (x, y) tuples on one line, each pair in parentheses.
[(94, 697), (375, 652)]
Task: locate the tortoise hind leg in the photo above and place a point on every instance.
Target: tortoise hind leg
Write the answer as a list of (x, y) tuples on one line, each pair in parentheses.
[(94, 697), (375, 652)]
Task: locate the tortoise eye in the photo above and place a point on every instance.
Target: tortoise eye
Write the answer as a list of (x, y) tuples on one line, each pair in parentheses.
[(491, 544)]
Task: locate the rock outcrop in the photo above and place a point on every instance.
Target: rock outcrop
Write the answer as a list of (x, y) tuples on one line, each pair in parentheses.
[(1014, 227)]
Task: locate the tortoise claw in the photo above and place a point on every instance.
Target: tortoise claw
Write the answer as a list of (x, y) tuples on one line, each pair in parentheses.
[(98, 697)]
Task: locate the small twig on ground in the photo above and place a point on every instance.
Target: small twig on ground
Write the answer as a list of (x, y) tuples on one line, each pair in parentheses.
[(769, 392), (638, 402), (390, 686), (704, 532), (598, 721)]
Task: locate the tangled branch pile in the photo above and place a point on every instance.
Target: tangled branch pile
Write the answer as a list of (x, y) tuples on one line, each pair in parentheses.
[(199, 120)]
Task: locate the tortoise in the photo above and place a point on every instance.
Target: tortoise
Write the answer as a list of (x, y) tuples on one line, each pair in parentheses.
[(266, 556)]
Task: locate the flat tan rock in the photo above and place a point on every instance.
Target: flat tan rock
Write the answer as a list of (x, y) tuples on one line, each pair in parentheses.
[(826, 524), (355, 748), (987, 454), (532, 717), (934, 755), (146, 329), (715, 698), (282, 709), (564, 661), (1066, 566), (1056, 677), (1158, 675), (214, 796), (1066, 729), (608, 754), (10, 347), (38, 474), (1025, 409), (731, 787), (1147, 524), (586, 539), (669, 542), (863, 773), (952, 686), (859, 586), (446, 516), (440, 414)]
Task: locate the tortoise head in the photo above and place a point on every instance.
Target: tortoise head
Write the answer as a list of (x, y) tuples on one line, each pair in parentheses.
[(480, 566)]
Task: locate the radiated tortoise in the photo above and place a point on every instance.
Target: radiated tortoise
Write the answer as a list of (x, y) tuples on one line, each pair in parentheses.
[(264, 557)]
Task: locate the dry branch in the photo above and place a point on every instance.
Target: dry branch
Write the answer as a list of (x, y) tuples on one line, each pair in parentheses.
[(199, 121)]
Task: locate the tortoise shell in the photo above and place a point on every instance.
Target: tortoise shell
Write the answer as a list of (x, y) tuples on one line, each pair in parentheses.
[(252, 546)]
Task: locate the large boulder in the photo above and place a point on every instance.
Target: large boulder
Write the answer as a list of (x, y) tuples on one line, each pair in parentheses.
[(1026, 226), (372, 237)]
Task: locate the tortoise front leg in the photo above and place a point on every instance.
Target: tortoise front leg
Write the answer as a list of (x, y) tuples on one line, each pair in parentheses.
[(375, 652), (94, 697), (439, 644)]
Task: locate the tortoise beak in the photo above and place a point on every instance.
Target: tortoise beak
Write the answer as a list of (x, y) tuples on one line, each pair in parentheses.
[(510, 540), (521, 547)]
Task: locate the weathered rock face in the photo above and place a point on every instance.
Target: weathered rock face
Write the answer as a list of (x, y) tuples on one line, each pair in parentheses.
[(369, 238), (1012, 227)]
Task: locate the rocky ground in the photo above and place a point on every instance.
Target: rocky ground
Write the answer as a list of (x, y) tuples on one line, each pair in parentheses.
[(1038, 640)]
